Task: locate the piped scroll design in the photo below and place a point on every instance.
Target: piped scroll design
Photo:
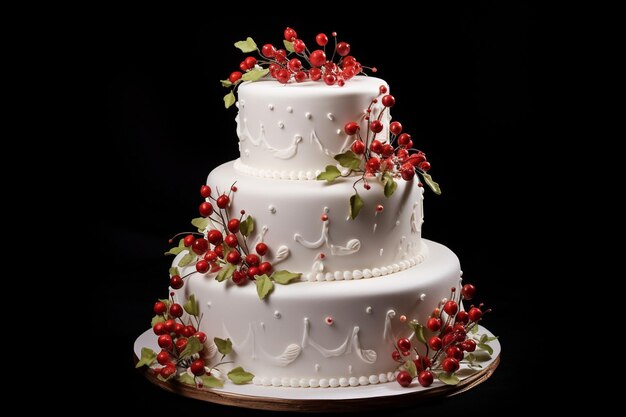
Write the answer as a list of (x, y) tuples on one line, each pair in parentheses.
[(244, 135), (250, 346), (352, 342), (351, 246)]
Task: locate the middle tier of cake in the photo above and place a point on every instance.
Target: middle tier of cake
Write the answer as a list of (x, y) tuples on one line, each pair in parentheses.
[(308, 228)]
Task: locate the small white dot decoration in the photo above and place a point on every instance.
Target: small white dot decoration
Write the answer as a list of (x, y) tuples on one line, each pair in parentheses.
[(208, 304), (330, 116), (277, 314), (270, 106), (281, 125), (289, 109), (339, 131), (308, 115), (271, 209), (368, 309)]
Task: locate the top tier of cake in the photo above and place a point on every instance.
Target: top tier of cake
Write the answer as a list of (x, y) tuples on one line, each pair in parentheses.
[(292, 131)]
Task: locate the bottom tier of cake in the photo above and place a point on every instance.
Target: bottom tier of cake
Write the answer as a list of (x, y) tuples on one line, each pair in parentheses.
[(326, 334)]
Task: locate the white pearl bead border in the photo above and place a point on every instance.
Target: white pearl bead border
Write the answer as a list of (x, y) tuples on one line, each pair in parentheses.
[(364, 273), (325, 382)]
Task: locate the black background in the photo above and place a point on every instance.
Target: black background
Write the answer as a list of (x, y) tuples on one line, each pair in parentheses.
[(461, 80)]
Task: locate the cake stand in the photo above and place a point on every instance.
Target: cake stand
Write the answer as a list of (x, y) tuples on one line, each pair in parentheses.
[(369, 397)]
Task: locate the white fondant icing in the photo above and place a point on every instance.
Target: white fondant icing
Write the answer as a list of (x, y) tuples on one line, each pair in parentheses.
[(352, 246), (351, 342)]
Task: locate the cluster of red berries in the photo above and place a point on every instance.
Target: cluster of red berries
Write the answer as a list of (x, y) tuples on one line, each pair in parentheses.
[(316, 65), (226, 248), (400, 160), (173, 337), (445, 348)]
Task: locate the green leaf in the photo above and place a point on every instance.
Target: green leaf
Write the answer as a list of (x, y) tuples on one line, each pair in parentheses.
[(239, 376), (356, 204), (473, 329), (491, 339), (174, 271), (201, 223), (246, 46), (349, 159), (226, 83), (411, 368), (229, 99), (480, 356), (483, 338), (330, 174), (193, 346), (187, 259), (264, 286), (246, 227), (178, 249), (226, 272), (211, 382), (224, 347), (288, 46), (390, 187), (157, 319), (185, 378), (419, 331), (448, 378), (284, 277), (432, 184), (486, 347), (148, 356), (255, 74), (191, 306)]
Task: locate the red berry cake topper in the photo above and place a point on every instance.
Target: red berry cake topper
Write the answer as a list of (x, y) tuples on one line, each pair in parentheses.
[(295, 63)]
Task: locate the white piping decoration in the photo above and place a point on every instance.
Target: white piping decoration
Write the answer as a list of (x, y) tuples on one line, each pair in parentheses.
[(352, 246), (261, 235), (291, 352), (244, 135), (416, 225), (281, 254), (388, 330), (352, 342)]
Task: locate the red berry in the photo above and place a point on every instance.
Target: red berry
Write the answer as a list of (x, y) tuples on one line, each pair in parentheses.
[(165, 341), (387, 150), (382, 89), (376, 126), (388, 100), (176, 310), (450, 364), (274, 69), (462, 317), (425, 378), (233, 257), (317, 58), (219, 251), (231, 240), (189, 239), (265, 268), (168, 370), (233, 78), (205, 191), (188, 331), (459, 328), (170, 325), (200, 246), (176, 282), (448, 339), (160, 307), (250, 61), (409, 145), (433, 324), (395, 355), (268, 50), (343, 48), (404, 344), (475, 314), (435, 343), (373, 164), (178, 329), (222, 201), (451, 307), (402, 154), (253, 271), (239, 278), (349, 61), (181, 343), (205, 209), (283, 76), (197, 367), (290, 34), (300, 76), (468, 291), (294, 64), (233, 225), (299, 46), (376, 146), (404, 378), (358, 147), (202, 266), (422, 363), (163, 357), (215, 237), (380, 208), (424, 166), (395, 128), (201, 336), (351, 127), (330, 79), (407, 173), (243, 66), (321, 39), (281, 56), (469, 345), (417, 158), (454, 352), (315, 74), (159, 329), (261, 248), (252, 259), (403, 139)]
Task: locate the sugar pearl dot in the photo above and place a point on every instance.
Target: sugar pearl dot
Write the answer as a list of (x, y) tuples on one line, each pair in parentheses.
[(329, 320), (281, 125), (422, 296), (354, 382), (289, 109), (402, 318), (330, 116), (333, 382), (364, 380), (368, 309), (344, 382), (270, 106), (324, 383), (308, 115), (277, 314)]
